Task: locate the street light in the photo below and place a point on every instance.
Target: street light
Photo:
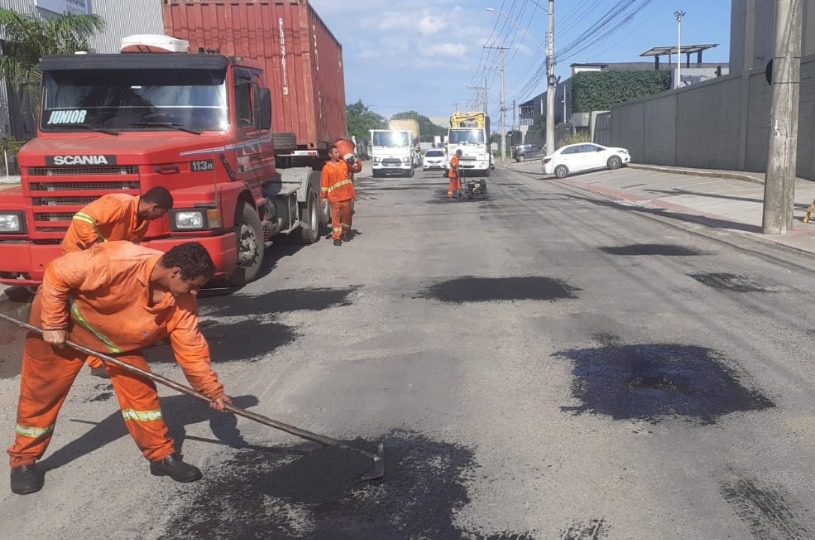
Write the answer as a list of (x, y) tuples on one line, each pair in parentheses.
[(679, 16)]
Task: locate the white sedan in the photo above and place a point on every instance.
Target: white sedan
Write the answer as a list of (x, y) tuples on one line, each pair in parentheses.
[(584, 157)]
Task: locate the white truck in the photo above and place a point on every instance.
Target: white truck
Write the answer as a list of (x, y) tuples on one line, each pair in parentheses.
[(469, 132), (392, 152)]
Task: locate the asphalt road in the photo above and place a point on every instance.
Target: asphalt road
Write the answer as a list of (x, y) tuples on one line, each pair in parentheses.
[(540, 363)]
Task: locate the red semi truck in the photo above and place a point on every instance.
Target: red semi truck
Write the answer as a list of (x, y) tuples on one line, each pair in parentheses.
[(199, 124)]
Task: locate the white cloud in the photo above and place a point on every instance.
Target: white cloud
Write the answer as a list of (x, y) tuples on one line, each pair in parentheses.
[(429, 25), (445, 49)]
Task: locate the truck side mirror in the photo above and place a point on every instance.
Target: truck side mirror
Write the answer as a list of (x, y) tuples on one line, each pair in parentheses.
[(263, 108)]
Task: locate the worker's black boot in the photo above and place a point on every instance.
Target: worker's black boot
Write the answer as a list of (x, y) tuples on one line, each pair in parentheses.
[(338, 242), (25, 479), (176, 469)]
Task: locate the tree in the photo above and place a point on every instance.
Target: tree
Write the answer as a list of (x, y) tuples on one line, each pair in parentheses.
[(427, 129), (361, 120), (28, 38)]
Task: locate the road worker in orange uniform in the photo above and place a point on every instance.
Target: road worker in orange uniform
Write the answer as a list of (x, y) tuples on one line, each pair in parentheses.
[(454, 175), (117, 297), (115, 217), (338, 189)]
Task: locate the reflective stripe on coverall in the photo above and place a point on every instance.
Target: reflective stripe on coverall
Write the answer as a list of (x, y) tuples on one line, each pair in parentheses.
[(110, 286)]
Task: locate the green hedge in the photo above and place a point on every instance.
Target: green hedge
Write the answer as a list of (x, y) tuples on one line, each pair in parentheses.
[(599, 90)]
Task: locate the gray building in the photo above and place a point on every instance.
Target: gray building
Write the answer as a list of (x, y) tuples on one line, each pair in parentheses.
[(752, 33), (122, 18)]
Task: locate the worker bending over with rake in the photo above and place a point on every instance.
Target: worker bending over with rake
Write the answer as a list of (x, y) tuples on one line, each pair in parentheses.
[(116, 216), (117, 297)]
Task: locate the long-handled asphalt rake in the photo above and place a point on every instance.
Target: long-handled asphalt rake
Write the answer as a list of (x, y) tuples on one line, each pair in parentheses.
[(378, 458)]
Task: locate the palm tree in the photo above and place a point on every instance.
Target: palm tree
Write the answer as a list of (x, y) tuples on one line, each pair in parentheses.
[(26, 39)]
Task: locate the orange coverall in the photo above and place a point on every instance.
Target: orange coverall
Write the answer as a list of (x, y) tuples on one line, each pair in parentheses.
[(110, 217), (102, 296), (338, 187), (453, 174)]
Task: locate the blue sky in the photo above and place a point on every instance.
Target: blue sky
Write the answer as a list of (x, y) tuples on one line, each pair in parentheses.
[(423, 54)]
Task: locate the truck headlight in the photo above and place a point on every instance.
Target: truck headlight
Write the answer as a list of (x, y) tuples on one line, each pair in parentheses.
[(406, 160), (377, 160), (11, 222), (196, 219)]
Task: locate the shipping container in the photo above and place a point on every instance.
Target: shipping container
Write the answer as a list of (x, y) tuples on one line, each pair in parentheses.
[(301, 57)]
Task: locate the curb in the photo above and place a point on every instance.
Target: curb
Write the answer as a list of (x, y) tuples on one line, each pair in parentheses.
[(698, 172)]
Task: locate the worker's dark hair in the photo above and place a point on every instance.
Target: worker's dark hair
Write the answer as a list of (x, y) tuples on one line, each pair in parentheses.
[(160, 197), (192, 258), (331, 147)]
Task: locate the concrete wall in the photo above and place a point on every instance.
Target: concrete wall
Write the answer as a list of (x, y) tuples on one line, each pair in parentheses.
[(719, 124)]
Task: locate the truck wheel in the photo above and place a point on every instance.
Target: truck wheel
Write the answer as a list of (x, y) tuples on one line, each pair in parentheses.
[(410, 174), (377, 174), (310, 226), (487, 172), (249, 233), (561, 171)]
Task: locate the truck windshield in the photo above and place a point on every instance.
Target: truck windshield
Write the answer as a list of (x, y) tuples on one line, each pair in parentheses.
[(466, 136), (391, 138), (134, 99)]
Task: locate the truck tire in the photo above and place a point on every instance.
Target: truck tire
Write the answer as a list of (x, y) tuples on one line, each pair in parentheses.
[(487, 172), (249, 233), (310, 226), (410, 174), (376, 174)]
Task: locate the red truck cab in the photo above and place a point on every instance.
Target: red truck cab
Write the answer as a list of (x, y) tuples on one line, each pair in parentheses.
[(197, 124)]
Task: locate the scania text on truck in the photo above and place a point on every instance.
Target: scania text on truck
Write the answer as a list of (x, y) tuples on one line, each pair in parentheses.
[(197, 124), (469, 131), (392, 152)]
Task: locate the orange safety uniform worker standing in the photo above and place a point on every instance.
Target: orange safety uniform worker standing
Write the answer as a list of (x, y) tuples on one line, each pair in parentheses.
[(115, 217), (118, 297), (338, 188), (454, 174)]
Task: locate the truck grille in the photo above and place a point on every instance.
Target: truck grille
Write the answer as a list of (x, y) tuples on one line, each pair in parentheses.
[(66, 190), (83, 171), (391, 162)]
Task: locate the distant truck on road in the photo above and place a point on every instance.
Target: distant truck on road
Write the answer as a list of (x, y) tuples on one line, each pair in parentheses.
[(392, 152), (469, 132)]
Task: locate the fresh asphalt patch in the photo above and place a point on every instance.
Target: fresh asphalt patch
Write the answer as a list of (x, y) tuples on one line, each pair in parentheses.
[(765, 510), (659, 381), (664, 250), (311, 299), (480, 289), (593, 529), (256, 494), (723, 281), (245, 340)]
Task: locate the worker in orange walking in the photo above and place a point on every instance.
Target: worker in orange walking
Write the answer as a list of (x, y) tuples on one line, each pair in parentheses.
[(117, 216), (121, 298), (338, 189), (455, 175)]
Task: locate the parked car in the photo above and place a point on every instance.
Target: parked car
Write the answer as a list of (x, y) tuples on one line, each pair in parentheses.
[(584, 157), (434, 158), (527, 151)]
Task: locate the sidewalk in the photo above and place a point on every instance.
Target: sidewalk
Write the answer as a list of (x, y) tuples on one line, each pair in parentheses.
[(724, 200)]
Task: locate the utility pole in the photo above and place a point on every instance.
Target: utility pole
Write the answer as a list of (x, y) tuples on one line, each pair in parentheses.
[(679, 16), (551, 82), (486, 96), (779, 182), (503, 105)]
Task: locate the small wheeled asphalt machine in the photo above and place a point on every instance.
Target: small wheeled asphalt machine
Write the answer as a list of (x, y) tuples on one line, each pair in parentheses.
[(472, 186)]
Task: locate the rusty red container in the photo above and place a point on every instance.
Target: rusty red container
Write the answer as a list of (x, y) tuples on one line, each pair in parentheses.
[(301, 57)]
